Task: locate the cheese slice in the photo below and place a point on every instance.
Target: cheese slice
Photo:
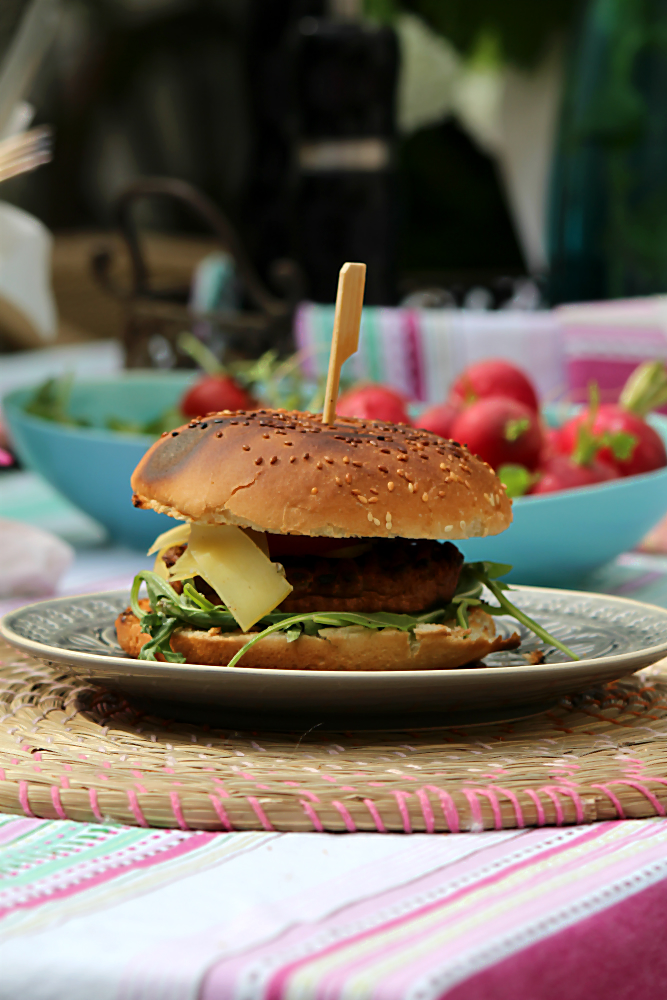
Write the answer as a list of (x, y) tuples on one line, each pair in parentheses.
[(248, 582), (159, 566), (184, 568), (175, 536)]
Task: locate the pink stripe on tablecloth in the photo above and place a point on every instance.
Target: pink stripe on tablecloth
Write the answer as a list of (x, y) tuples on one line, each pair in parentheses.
[(190, 843), (276, 988), (617, 954), (413, 343), (516, 913), (432, 939), (17, 827), (220, 978)]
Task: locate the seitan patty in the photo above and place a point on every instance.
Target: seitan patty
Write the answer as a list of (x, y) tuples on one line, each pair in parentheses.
[(398, 575)]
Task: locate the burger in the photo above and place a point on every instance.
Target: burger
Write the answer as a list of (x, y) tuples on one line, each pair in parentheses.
[(310, 546)]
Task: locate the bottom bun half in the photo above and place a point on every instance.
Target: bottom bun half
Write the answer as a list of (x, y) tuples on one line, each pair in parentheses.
[(430, 647)]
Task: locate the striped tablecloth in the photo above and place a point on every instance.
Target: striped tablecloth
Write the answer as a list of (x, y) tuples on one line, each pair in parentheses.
[(114, 913)]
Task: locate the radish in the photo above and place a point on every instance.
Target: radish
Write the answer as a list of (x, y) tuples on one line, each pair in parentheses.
[(562, 473), (494, 377), (501, 431), (213, 393), (439, 419), (373, 402), (627, 442), (216, 390), (584, 467)]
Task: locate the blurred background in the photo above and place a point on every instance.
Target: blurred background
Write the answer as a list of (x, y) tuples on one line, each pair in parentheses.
[(471, 152), (181, 181)]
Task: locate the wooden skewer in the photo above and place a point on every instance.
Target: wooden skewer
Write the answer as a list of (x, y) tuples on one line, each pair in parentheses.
[(345, 340)]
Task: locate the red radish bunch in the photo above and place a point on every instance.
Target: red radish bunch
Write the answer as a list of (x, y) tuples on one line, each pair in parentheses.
[(501, 431), (439, 419), (491, 378), (584, 466), (216, 392), (493, 409), (373, 402), (645, 389)]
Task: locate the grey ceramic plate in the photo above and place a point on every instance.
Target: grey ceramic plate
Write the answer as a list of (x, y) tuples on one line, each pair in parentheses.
[(612, 635)]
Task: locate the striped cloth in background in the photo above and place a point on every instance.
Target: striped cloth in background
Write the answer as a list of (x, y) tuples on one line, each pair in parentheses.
[(420, 352), (116, 913)]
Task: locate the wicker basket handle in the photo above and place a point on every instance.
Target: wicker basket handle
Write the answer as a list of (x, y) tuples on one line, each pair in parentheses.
[(285, 272)]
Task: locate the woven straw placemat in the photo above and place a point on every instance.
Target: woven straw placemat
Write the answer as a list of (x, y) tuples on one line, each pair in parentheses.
[(72, 751)]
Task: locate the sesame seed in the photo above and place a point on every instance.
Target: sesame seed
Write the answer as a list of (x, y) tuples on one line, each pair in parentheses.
[(399, 472), (373, 490), (314, 490), (306, 455), (355, 493), (463, 525), (373, 500), (376, 521), (265, 436), (385, 451), (174, 434), (328, 460), (362, 498), (339, 481), (425, 497), (390, 487), (401, 458), (292, 459), (348, 477), (233, 422), (273, 460), (441, 493), (288, 444), (357, 464), (444, 467), (219, 434), (370, 516), (259, 460), (411, 487), (383, 468), (319, 465), (346, 460), (449, 527), (246, 447)]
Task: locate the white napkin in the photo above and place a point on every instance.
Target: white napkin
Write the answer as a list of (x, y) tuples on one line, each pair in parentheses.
[(32, 561), (25, 269)]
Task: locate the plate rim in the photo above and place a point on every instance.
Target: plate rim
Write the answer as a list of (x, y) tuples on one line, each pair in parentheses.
[(59, 654)]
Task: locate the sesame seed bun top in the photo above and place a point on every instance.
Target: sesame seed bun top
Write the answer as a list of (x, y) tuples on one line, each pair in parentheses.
[(285, 472)]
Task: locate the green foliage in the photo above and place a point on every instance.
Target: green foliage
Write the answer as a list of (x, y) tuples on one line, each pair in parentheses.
[(517, 479), (522, 28)]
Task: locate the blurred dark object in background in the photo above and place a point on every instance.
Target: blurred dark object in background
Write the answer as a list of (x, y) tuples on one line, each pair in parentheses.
[(283, 112), (344, 85), (608, 227), (156, 316), (455, 224)]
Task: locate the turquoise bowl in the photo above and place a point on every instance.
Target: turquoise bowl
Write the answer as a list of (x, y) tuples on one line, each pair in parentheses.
[(557, 539), (91, 466), (554, 540)]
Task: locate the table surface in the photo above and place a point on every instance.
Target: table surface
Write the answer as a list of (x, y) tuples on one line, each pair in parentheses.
[(100, 911)]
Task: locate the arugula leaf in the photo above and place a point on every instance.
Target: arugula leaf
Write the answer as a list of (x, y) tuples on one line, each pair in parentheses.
[(170, 610), (487, 574)]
